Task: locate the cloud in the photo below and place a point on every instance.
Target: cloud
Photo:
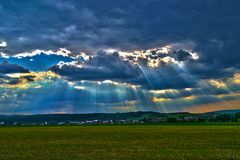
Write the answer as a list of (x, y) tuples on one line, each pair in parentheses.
[(27, 80), (103, 66), (6, 68), (93, 96), (114, 25), (156, 57), (61, 52), (159, 65), (210, 91), (83, 96), (3, 44), (167, 45), (211, 107), (135, 67)]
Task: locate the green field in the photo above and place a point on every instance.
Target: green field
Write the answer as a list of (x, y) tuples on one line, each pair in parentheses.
[(135, 142)]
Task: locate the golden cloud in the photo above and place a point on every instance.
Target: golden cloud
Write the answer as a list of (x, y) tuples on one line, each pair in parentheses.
[(29, 80), (217, 83)]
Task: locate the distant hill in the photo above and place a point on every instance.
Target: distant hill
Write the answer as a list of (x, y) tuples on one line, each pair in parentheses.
[(226, 111), (114, 117)]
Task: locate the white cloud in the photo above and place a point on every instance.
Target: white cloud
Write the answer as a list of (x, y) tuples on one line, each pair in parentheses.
[(3, 44), (62, 51), (79, 87), (155, 56)]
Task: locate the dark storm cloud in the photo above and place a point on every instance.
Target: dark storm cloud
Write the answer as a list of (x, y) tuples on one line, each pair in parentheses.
[(73, 24), (213, 26), (182, 55), (7, 80), (6, 67), (101, 67), (111, 66)]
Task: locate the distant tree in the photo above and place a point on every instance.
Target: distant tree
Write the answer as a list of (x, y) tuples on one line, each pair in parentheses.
[(171, 120), (237, 117), (201, 120), (224, 118)]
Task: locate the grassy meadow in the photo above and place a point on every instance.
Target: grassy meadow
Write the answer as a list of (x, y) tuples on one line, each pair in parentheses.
[(120, 142)]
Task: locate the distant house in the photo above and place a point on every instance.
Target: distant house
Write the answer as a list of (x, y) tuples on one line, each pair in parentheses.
[(161, 119), (61, 123), (75, 123), (190, 119)]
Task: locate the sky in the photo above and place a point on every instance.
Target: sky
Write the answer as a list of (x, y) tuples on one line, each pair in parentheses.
[(92, 56)]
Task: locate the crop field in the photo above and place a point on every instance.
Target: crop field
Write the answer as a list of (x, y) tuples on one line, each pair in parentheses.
[(120, 142)]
